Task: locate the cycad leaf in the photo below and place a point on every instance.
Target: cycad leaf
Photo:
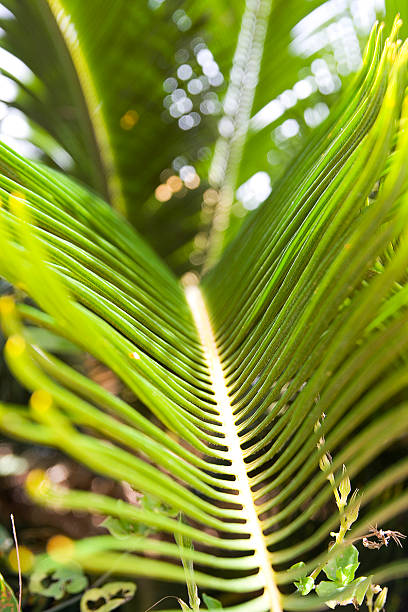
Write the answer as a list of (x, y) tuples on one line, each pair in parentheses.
[(112, 115), (302, 316)]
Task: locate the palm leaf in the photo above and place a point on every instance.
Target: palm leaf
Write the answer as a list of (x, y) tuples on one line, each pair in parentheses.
[(303, 315)]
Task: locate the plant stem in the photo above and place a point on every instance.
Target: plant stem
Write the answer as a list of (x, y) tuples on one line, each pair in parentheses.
[(225, 409), (317, 571), (335, 491), (238, 103), (20, 582)]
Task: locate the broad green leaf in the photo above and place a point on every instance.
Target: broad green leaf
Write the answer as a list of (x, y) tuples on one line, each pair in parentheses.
[(108, 597), (305, 585), (362, 586), (336, 594), (57, 581), (342, 567), (8, 601)]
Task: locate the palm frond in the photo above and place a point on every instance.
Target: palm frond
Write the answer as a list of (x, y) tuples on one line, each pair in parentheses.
[(304, 315)]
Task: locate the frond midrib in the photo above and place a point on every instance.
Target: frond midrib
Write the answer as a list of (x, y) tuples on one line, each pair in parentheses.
[(202, 321), (93, 113)]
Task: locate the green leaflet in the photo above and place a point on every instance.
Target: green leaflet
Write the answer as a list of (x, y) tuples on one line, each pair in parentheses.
[(211, 602)]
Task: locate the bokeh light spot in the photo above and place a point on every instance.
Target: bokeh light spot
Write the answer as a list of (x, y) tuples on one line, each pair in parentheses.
[(36, 481), (60, 548), (175, 183), (210, 196), (129, 119), (26, 559), (163, 193)]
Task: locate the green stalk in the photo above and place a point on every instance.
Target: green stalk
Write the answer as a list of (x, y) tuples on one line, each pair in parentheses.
[(237, 108)]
